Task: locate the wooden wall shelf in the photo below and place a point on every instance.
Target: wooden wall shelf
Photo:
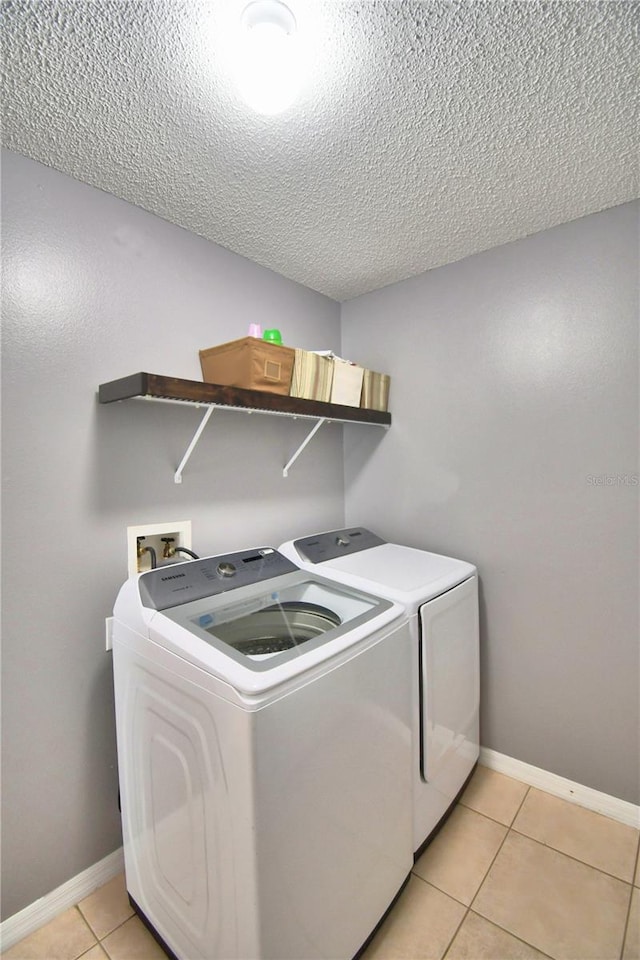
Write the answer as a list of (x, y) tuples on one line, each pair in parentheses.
[(151, 386)]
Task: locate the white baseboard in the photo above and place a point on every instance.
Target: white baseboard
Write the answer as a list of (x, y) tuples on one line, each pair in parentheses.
[(48, 907), (620, 810)]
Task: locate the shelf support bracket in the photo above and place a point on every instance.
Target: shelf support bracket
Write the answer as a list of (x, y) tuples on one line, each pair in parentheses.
[(310, 436), (177, 477)]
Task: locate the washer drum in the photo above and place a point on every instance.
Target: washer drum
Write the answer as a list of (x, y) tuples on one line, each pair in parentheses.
[(276, 628)]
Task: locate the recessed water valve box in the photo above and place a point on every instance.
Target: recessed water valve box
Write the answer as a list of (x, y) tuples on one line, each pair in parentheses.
[(163, 538)]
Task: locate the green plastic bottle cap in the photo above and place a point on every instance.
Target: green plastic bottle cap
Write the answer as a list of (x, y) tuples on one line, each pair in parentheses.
[(274, 336)]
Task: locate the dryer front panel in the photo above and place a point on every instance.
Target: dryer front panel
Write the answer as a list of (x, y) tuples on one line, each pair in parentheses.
[(449, 686)]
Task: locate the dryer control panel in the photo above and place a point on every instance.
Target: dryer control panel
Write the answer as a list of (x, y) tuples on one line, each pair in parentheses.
[(336, 543), (179, 583)]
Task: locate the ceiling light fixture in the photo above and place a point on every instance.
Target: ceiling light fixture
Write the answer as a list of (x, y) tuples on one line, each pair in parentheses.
[(269, 69)]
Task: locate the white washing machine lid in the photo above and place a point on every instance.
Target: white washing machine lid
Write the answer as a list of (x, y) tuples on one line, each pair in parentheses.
[(270, 627), (403, 574)]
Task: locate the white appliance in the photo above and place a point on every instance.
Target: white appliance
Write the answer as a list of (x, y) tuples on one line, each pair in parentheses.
[(264, 753), (440, 595)]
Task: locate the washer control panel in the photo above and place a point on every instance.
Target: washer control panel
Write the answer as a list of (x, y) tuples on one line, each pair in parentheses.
[(179, 583), (336, 543)]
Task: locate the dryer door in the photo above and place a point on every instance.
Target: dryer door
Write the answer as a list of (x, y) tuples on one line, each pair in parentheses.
[(449, 686)]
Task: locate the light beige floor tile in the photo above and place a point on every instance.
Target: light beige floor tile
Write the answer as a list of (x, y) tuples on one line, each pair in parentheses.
[(564, 908), (477, 939), (637, 879), (64, 938), (107, 908), (632, 942), (580, 833), (132, 941), (420, 926), (457, 860), (494, 795), (96, 953)]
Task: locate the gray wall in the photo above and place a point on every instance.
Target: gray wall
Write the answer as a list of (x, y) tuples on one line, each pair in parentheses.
[(96, 289), (515, 383), (514, 380)]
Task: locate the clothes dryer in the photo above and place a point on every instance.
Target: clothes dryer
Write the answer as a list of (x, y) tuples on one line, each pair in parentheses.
[(440, 595), (264, 753)]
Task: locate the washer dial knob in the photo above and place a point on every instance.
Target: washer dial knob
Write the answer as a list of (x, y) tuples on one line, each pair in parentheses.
[(342, 541), (226, 569)]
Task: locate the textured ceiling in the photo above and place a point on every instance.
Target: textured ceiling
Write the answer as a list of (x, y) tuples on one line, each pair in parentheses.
[(425, 132)]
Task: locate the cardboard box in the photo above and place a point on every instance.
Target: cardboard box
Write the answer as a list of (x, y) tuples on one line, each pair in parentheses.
[(312, 376), (346, 387), (375, 390), (249, 363)]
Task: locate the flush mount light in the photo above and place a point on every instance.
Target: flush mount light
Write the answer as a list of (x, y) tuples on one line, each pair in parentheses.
[(269, 67), (270, 14)]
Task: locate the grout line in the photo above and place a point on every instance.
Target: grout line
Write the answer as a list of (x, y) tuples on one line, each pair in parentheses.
[(468, 907), (510, 829), (107, 935), (428, 883), (493, 819), (488, 817), (470, 910), (78, 907), (625, 932), (477, 814), (576, 860), (488, 870), (515, 816), (99, 939), (570, 856), (510, 933), (635, 866), (456, 932), (96, 944)]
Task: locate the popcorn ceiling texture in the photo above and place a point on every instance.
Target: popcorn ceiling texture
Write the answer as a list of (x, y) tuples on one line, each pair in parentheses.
[(426, 131)]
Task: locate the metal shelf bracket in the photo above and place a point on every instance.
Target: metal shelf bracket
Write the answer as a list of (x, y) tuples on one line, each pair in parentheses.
[(177, 477), (309, 437)]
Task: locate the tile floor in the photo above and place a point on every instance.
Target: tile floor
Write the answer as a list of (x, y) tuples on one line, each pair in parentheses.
[(515, 874)]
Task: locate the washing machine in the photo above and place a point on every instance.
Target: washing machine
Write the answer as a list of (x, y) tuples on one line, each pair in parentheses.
[(440, 595), (264, 754)]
